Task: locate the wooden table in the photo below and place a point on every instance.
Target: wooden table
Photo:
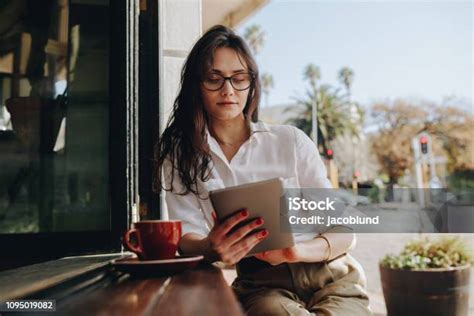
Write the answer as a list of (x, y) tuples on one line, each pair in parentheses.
[(202, 291)]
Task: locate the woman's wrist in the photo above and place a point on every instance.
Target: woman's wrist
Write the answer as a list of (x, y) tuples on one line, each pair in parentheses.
[(206, 249), (314, 250), (194, 244), (301, 250)]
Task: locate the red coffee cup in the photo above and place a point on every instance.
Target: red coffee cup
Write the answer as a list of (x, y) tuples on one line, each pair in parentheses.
[(155, 239)]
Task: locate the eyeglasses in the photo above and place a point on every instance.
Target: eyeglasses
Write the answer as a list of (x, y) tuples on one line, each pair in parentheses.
[(239, 82)]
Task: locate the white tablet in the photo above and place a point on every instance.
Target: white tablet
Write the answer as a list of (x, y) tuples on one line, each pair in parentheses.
[(262, 199)]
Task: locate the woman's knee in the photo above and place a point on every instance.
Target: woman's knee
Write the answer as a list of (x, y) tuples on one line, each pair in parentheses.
[(275, 302), (341, 306)]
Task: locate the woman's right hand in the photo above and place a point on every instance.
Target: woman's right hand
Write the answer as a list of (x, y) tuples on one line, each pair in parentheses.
[(230, 248)]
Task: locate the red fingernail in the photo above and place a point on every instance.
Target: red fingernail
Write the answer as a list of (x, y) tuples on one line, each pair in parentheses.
[(259, 221), (264, 233), (245, 213)]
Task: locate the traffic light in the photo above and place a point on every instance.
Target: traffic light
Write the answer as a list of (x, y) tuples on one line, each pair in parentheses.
[(329, 154), (424, 144)]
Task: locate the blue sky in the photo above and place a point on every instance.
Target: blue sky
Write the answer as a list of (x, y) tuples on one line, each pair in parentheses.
[(416, 49)]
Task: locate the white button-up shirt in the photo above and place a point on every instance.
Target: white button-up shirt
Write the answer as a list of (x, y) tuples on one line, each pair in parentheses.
[(271, 151)]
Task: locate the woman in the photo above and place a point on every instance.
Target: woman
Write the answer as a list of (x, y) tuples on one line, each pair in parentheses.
[(214, 140)]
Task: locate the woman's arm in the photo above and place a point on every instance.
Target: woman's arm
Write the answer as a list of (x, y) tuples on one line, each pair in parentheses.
[(340, 238), (192, 244)]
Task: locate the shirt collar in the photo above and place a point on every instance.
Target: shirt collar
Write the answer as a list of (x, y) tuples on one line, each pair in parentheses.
[(255, 127), (258, 126)]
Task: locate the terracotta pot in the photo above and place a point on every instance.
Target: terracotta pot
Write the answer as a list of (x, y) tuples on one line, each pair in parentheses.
[(431, 292)]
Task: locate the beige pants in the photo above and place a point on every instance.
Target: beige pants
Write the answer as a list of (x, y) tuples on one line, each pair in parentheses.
[(334, 288)]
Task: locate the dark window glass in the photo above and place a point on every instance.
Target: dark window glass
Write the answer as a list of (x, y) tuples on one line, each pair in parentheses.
[(54, 116)]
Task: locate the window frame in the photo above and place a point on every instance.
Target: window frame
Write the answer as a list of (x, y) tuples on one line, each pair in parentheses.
[(149, 110)]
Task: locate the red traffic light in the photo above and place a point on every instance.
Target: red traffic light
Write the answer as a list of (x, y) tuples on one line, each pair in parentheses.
[(329, 153), (424, 144)]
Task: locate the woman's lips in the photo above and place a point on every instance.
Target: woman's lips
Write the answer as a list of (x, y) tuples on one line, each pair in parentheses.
[(226, 103)]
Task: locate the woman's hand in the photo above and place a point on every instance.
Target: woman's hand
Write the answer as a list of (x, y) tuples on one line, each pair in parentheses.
[(278, 256), (230, 248)]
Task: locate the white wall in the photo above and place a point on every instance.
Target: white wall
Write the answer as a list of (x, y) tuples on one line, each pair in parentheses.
[(180, 26)]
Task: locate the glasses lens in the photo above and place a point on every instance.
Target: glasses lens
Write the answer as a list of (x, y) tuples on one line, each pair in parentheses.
[(213, 82), (241, 81)]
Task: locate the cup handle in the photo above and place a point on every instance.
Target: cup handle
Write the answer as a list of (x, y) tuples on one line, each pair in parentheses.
[(128, 244)]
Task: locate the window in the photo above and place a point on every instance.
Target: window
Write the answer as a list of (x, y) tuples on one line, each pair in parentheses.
[(69, 146)]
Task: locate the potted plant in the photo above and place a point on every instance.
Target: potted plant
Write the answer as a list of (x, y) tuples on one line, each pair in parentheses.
[(428, 277)]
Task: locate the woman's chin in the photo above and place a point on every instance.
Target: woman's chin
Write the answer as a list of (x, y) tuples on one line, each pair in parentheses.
[(227, 115)]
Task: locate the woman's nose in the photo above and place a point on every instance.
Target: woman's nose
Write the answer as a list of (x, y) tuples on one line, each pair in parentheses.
[(227, 89)]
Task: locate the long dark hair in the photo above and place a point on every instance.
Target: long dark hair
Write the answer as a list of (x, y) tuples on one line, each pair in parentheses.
[(184, 141)]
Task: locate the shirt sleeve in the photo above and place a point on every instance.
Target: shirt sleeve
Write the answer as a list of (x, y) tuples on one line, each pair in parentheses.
[(183, 207), (312, 174), (311, 170)]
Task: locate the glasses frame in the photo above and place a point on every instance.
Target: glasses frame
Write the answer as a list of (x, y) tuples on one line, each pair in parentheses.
[(252, 78)]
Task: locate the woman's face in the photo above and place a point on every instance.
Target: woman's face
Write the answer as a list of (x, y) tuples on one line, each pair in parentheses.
[(226, 103)]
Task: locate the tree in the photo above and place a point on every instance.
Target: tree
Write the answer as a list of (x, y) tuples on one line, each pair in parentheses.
[(255, 38), (333, 117), (453, 128), (451, 131), (346, 77), (398, 122), (267, 85), (313, 74), (326, 104)]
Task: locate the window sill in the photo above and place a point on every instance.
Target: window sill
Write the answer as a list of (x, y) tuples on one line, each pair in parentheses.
[(25, 281)]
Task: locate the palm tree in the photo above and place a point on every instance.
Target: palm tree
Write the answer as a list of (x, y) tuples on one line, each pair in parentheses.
[(267, 85), (255, 37), (333, 116), (313, 74), (346, 77)]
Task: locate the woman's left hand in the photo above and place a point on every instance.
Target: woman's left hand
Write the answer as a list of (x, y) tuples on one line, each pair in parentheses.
[(278, 256)]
